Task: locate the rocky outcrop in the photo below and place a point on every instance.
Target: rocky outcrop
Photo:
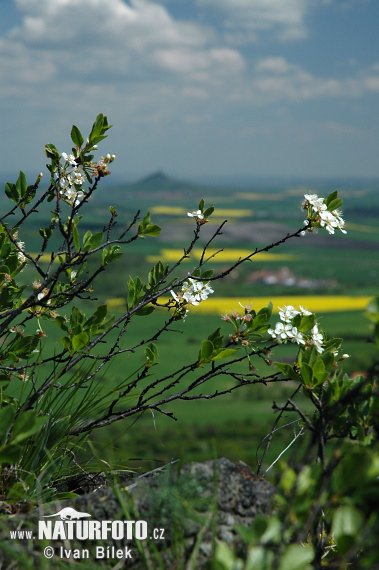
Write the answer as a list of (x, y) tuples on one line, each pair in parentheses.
[(186, 509)]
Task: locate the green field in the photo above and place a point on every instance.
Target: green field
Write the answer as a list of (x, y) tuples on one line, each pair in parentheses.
[(337, 265)]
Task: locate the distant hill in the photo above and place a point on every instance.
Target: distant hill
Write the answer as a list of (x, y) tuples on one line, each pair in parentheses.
[(157, 186), (160, 182)]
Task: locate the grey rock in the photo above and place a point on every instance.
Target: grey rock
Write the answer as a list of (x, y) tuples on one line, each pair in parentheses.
[(195, 505)]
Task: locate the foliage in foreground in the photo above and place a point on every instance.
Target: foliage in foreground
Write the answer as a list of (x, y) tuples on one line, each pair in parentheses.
[(53, 397)]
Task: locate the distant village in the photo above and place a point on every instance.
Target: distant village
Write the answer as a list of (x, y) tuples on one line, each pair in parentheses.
[(284, 276)]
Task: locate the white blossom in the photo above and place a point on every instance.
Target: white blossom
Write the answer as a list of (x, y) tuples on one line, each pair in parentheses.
[(304, 312), (317, 339), (284, 331), (287, 313), (323, 217), (196, 214), (296, 336), (70, 158), (20, 256), (193, 292)]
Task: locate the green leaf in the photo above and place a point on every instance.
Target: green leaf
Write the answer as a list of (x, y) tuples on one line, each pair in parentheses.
[(306, 373), (225, 353), (151, 230), (79, 341), (309, 356), (24, 346), (347, 521), (266, 311), (11, 192), (135, 292), (151, 354), (158, 272), (21, 184), (335, 204), (7, 414), (207, 274), (216, 338), (288, 371), (208, 212), (99, 127), (145, 311), (97, 317), (95, 240), (52, 152), (16, 492), (77, 318), (319, 372), (296, 557), (76, 136), (109, 255), (306, 323), (147, 228), (259, 558), (333, 344), (10, 453), (26, 425), (206, 351), (75, 237), (66, 341), (61, 322), (87, 236), (332, 196)]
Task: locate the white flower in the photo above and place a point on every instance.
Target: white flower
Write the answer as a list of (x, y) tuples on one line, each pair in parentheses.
[(176, 297), (287, 313), (328, 221), (20, 256), (304, 312), (310, 199), (196, 214), (296, 336), (193, 292), (70, 158), (281, 333), (324, 218), (317, 339), (43, 294)]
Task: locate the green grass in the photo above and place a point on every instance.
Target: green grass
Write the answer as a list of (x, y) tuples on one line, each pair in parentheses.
[(234, 424)]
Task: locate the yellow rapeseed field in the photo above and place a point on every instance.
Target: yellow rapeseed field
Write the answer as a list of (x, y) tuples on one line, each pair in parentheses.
[(316, 303), (258, 196), (362, 228), (221, 212), (169, 210), (230, 255)]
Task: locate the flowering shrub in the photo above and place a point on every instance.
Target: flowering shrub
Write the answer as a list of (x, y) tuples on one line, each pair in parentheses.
[(52, 399), (323, 213)]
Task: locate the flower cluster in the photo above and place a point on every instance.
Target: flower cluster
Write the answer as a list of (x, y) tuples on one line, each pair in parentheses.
[(287, 329), (71, 177), (321, 214), (70, 180), (20, 256), (197, 215), (101, 168), (193, 292), (241, 324)]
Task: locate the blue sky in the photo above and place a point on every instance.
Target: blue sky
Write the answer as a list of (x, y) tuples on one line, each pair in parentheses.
[(195, 87)]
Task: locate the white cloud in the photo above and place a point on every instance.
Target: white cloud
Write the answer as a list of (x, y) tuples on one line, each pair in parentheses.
[(285, 17), (92, 42), (277, 79)]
